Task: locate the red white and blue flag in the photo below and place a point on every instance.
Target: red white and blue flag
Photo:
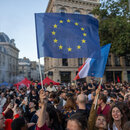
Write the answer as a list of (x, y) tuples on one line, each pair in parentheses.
[(94, 67)]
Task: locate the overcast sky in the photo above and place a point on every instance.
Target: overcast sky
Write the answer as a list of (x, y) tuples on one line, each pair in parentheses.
[(17, 21)]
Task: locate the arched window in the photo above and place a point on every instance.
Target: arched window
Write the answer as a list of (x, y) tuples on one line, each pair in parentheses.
[(76, 12), (62, 10)]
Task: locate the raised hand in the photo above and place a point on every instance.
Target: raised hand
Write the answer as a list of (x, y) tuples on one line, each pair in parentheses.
[(98, 90), (10, 106), (42, 96)]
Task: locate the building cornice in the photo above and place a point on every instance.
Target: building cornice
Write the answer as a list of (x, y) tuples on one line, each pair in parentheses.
[(6, 54), (8, 44), (72, 3), (76, 4), (83, 2), (62, 68)]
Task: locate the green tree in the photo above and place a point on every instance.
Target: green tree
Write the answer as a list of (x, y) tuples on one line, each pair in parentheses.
[(114, 25)]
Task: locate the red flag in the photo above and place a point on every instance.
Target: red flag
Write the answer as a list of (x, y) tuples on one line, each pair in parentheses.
[(118, 79)]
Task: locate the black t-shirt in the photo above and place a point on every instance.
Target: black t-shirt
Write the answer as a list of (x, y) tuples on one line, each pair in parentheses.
[(83, 112), (85, 88)]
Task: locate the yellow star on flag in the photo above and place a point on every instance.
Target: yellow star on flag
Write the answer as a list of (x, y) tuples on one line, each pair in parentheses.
[(55, 26), (60, 47), (83, 41), (61, 21), (55, 40), (53, 33), (78, 47), (69, 49), (76, 24), (84, 34), (68, 21), (82, 29)]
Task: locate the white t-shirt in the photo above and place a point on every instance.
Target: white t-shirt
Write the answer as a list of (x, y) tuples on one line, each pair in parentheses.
[(51, 89)]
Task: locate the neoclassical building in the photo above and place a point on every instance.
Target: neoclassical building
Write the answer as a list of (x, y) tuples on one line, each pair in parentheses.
[(8, 59), (64, 70), (29, 69)]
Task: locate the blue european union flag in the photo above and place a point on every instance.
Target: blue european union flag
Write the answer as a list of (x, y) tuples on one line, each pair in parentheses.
[(62, 35)]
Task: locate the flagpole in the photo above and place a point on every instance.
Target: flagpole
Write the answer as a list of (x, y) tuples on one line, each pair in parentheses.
[(98, 93), (40, 73)]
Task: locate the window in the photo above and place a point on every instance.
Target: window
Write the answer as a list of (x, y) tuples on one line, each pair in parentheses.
[(76, 12), (62, 10), (127, 60), (128, 75), (80, 61), (20, 72), (118, 76), (64, 62), (109, 76), (117, 61), (3, 60), (109, 61), (50, 73)]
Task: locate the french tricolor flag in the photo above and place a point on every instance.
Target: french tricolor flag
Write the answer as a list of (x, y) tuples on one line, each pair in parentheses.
[(94, 67)]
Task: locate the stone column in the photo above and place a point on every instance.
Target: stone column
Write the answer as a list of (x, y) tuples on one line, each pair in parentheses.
[(59, 63), (73, 74), (124, 76), (71, 62), (112, 60), (122, 61), (114, 76), (55, 62), (84, 59), (56, 76), (76, 62), (69, 10)]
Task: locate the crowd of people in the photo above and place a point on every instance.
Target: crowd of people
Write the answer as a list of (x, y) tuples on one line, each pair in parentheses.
[(80, 106)]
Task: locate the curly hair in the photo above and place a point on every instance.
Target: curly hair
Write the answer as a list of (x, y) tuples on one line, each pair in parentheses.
[(120, 106), (80, 119), (70, 104)]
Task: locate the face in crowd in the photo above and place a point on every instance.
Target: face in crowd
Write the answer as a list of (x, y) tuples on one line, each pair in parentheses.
[(73, 125), (101, 122), (105, 92), (2, 95), (77, 122), (116, 114), (31, 105)]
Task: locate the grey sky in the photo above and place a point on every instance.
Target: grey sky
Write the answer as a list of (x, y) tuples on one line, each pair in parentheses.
[(17, 21)]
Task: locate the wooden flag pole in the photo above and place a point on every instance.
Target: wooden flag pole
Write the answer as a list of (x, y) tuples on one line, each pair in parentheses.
[(40, 73), (98, 93)]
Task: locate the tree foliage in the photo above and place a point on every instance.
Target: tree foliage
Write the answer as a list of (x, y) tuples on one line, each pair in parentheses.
[(114, 25)]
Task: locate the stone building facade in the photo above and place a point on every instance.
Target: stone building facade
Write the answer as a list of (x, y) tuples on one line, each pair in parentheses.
[(117, 67), (64, 70), (29, 69), (8, 59)]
